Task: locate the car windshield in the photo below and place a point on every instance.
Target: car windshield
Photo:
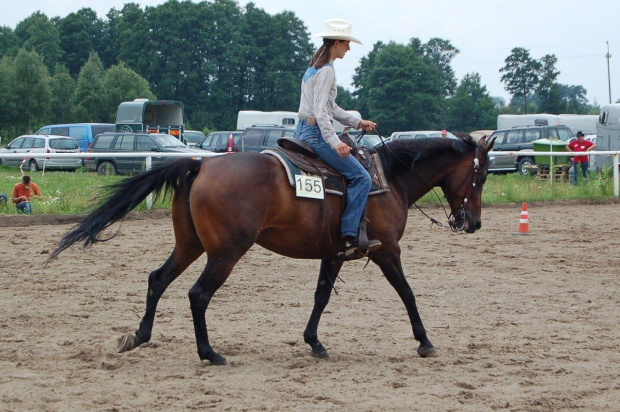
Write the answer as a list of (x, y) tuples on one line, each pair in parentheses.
[(166, 140)]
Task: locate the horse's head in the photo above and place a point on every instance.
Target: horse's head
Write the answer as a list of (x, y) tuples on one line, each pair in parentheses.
[(463, 187)]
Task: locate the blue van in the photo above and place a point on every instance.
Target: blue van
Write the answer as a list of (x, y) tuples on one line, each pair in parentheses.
[(82, 133)]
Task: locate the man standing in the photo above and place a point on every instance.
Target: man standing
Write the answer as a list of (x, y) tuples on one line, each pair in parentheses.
[(22, 192), (580, 145)]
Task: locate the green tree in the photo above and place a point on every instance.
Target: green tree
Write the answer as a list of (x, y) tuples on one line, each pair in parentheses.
[(520, 74), (80, 34), (121, 84), (345, 99), (39, 34), (472, 108), (441, 52), (548, 95), (31, 90), (87, 100), (9, 42), (400, 88), (62, 86), (574, 99), (7, 97)]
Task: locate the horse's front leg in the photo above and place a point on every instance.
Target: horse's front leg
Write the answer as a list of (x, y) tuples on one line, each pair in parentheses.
[(389, 262), (327, 277)]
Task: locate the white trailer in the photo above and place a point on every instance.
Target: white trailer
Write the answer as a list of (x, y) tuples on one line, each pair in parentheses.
[(607, 134), (247, 118)]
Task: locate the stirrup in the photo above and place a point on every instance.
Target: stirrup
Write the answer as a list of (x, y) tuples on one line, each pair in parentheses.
[(352, 251)]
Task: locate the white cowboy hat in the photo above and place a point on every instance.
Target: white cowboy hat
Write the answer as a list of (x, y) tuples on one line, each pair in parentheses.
[(337, 30)]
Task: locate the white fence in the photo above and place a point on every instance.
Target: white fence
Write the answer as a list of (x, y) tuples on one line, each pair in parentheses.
[(149, 156)]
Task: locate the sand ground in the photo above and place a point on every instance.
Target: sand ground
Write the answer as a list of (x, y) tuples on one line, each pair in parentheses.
[(521, 323)]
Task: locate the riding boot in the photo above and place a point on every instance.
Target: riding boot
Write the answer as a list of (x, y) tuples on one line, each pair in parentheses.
[(360, 247)]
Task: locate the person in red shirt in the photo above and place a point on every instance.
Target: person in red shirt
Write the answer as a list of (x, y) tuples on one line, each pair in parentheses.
[(580, 145), (22, 193)]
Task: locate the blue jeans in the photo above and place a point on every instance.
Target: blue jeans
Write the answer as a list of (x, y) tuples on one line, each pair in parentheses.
[(584, 169), (357, 177), (24, 207)]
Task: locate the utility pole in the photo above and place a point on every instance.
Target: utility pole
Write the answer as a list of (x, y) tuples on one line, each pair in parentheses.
[(608, 56)]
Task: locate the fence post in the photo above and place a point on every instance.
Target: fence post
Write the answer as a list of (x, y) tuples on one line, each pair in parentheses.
[(149, 198), (616, 182)]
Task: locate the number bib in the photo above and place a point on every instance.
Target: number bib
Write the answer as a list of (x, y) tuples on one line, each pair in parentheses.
[(309, 186)]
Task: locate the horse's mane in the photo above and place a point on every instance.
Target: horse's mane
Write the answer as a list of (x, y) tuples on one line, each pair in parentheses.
[(403, 154)]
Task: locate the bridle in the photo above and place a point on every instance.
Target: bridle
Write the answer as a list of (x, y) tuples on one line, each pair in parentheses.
[(472, 177)]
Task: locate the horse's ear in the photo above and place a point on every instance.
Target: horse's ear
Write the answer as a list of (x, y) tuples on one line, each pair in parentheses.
[(488, 145)]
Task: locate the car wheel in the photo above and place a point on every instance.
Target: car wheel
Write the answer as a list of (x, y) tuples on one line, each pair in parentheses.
[(32, 166), (525, 166), (106, 169)]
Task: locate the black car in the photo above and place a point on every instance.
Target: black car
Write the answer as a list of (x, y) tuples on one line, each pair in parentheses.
[(260, 137), (125, 142), (519, 140), (218, 141)]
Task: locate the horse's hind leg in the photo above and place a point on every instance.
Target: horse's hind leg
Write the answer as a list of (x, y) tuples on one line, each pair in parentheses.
[(390, 265), (214, 275), (159, 280), (327, 277)]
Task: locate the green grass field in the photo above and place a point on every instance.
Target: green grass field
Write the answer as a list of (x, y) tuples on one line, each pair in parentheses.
[(77, 192)]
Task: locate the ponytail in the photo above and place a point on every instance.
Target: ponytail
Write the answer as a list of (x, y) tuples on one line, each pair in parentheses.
[(323, 54)]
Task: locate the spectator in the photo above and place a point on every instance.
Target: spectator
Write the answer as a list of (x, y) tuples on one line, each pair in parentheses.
[(444, 133), (22, 194), (580, 145), (3, 199)]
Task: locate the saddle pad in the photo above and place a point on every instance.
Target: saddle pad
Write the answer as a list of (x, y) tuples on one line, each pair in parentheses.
[(296, 163)]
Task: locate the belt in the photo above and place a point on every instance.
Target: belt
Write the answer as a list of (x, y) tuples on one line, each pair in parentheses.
[(311, 121)]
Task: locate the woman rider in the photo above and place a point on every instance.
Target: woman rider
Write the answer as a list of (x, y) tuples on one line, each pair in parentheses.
[(317, 111)]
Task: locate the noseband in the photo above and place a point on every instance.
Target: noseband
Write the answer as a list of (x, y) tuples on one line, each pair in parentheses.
[(469, 189)]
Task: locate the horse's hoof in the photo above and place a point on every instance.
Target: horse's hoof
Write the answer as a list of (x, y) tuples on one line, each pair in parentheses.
[(321, 354), (125, 343), (218, 360), (427, 351)]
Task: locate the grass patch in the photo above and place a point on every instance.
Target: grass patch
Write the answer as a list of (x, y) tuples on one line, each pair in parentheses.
[(68, 193), (64, 192)]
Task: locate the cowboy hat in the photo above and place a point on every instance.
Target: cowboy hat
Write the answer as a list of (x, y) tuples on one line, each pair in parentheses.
[(337, 30)]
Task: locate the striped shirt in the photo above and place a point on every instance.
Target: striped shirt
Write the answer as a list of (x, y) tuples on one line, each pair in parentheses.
[(318, 100)]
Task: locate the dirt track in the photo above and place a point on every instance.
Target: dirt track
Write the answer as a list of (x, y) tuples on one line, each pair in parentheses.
[(520, 323)]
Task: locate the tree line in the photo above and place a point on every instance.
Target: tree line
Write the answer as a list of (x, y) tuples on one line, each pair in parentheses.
[(218, 58)]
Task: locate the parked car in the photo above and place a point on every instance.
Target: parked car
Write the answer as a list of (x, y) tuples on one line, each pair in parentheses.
[(519, 141), (218, 141), (260, 137), (418, 134), (33, 148), (193, 137), (124, 142), (82, 133), (367, 140)]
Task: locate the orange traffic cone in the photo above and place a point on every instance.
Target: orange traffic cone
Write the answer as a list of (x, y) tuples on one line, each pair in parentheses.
[(524, 222)]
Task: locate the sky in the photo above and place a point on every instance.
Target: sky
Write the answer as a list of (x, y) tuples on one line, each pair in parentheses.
[(577, 32)]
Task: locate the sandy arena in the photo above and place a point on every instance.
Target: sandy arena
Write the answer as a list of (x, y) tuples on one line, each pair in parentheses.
[(520, 323)]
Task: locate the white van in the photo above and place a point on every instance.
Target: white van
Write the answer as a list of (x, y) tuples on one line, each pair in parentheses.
[(247, 118)]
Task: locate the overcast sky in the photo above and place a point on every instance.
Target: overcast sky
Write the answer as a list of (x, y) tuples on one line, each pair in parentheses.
[(485, 31)]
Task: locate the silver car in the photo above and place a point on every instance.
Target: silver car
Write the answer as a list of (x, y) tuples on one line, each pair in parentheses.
[(33, 149)]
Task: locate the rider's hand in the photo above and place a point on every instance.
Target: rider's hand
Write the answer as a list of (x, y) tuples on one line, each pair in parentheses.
[(367, 125), (343, 149)]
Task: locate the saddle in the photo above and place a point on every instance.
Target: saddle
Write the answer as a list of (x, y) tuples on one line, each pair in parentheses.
[(299, 158)]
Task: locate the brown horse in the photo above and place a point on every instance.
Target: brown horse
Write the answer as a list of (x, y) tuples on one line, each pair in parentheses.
[(223, 205)]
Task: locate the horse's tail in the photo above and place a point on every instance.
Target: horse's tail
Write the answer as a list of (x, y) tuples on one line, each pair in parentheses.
[(125, 195)]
